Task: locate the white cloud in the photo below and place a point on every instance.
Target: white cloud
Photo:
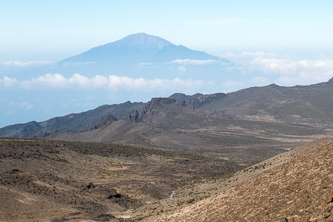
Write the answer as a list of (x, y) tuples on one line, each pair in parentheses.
[(25, 64), (274, 66), (280, 69), (8, 82), (292, 72), (252, 53), (112, 82), (85, 82), (59, 81), (47, 81), (98, 81), (192, 61), (76, 63), (245, 56), (161, 85), (115, 82)]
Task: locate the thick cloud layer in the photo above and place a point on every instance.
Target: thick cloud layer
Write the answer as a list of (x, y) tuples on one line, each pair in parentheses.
[(112, 82), (267, 68)]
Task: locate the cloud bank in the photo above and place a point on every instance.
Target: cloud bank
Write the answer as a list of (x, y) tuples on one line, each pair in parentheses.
[(192, 62), (112, 82), (26, 64), (271, 68)]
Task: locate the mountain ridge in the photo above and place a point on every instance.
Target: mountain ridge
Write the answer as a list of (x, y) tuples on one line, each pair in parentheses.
[(281, 103), (258, 122), (72, 122)]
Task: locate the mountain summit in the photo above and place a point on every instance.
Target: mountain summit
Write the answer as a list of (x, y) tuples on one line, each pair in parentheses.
[(141, 40), (137, 48)]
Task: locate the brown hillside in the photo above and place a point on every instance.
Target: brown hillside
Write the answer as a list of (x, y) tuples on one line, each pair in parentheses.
[(53, 181), (298, 190), (170, 124)]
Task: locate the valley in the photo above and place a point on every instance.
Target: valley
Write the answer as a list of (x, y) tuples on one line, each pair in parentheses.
[(47, 180), (59, 181)]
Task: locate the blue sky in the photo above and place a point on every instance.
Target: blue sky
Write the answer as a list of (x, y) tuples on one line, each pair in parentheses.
[(282, 42), (56, 29)]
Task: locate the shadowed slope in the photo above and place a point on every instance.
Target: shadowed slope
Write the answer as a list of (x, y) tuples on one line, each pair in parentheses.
[(73, 122), (297, 104)]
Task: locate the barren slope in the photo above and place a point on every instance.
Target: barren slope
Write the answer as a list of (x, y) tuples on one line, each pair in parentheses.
[(298, 190), (60, 181), (170, 124)]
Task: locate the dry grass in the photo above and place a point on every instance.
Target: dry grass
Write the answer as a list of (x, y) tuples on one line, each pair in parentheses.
[(296, 190), (92, 181)]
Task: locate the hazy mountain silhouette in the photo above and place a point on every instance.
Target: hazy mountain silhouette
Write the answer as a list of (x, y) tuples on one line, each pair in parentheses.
[(137, 48)]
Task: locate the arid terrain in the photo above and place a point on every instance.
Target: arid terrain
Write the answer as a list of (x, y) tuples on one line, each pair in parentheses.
[(73, 181), (299, 187), (58, 181)]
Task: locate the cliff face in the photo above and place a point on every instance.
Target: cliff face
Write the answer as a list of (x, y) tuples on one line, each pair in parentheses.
[(162, 108)]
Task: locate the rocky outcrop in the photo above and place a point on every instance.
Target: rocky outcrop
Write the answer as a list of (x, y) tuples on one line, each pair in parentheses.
[(164, 108), (198, 100)]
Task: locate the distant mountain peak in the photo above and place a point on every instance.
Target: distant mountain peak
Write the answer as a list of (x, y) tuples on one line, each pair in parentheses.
[(143, 39), (137, 48)]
